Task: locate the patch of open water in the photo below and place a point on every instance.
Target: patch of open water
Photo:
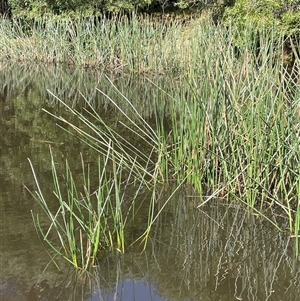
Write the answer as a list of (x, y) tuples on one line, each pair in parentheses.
[(217, 253)]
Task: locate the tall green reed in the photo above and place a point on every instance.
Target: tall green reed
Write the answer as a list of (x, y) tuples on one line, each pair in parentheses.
[(96, 219), (231, 127), (99, 135), (133, 43), (85, 222), (239, 122)]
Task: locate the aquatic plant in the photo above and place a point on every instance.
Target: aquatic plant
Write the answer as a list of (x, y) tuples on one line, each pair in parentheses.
[(85, 222), (132, 43), (140, 44), (237, 128), (230, 129)]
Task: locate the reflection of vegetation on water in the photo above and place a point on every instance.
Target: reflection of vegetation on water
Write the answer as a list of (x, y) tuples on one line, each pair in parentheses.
[(216, 253), (24, 92), (76, 85), (219, 253), (222, 252)]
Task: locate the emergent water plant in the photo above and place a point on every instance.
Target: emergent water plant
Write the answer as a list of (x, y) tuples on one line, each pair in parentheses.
[(234, 127), (82, 223), (133, 43)]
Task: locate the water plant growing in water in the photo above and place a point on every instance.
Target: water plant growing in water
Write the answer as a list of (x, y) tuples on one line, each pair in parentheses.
[(233, 127), (85, 224), (119, 44), (232, 130)]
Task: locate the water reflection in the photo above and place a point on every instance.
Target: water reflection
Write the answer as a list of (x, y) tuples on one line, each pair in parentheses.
[(218, 253), (221, 253), (130, 289)]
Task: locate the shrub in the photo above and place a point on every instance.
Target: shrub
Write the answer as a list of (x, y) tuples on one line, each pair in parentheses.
[(284, 16)]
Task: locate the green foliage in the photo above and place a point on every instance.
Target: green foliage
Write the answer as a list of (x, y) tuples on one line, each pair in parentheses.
[(283, 16), (233, 126), (130, 45), (28, 8), (38, 8), (291, 21)]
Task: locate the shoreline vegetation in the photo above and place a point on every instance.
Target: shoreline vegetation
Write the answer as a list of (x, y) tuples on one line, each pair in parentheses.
[(139, 43), (233, 134), (122, 43)]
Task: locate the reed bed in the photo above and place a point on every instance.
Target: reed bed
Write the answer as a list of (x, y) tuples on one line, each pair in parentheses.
[(133, 43), (234, 127), (231, 127), (236, 135)]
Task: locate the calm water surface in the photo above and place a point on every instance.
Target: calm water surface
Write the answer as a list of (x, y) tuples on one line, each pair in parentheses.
[(217, 253)]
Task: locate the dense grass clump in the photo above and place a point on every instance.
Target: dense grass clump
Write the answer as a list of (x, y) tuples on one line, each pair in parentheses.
[(87, 221)]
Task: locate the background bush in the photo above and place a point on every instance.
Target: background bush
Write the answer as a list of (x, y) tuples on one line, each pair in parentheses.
[(34, 8), (282, 15)]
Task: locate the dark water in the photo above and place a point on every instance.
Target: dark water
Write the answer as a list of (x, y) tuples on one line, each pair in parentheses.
[(217, 252)]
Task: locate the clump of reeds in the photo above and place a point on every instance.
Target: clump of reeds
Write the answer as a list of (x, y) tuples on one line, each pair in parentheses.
[(238, 129), (82, 223), (133, 43)]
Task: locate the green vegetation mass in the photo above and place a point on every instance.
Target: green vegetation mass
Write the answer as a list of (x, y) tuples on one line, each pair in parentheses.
[(230, 128)]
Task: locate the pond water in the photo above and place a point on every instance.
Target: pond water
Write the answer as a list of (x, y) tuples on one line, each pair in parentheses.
[(216, 252)]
